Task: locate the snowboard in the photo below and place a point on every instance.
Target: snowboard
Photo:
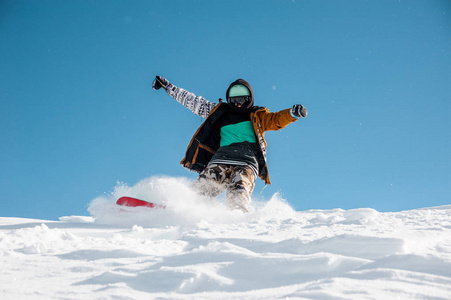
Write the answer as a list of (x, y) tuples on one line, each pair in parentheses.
[(133, 202)]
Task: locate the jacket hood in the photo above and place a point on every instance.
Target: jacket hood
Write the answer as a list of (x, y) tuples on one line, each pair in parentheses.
[(246, 84)]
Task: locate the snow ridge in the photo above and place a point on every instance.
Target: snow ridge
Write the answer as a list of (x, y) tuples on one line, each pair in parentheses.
[(197, 249)]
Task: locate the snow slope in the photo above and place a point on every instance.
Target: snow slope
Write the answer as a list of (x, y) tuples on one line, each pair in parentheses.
[(197, 249)]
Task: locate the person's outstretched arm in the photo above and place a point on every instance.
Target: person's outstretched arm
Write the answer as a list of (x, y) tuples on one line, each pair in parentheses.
[(197, 104)]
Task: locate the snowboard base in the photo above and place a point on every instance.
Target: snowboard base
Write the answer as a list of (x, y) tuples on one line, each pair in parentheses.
[(134, 202)]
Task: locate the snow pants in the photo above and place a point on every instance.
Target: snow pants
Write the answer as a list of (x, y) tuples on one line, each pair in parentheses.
[(238, 180)]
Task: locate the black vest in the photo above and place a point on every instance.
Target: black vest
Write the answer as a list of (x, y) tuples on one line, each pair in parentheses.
[(206, 142)]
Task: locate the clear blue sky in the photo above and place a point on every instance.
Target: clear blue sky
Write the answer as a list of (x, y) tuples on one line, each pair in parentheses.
[(78, 113)]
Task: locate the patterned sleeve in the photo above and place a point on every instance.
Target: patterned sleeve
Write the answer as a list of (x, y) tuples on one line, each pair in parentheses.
[(197, 104)]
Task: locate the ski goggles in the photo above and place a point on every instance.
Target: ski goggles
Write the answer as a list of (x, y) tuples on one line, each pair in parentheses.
[(239, 100)]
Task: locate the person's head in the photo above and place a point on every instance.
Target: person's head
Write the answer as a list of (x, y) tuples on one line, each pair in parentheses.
[(239, 95)]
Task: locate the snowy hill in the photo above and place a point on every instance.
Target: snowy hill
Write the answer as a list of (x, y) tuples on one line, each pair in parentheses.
[(200, 250)]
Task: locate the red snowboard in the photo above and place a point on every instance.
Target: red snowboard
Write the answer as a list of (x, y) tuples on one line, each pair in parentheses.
[(133, 202)]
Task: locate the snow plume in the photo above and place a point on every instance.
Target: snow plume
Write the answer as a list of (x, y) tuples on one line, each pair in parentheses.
[(183, 205)]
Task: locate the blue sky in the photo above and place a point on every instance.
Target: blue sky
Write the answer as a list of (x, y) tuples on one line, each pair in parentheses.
[(78, 114)]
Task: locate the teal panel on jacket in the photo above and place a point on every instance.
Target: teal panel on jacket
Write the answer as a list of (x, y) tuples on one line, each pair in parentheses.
[(238, 133)]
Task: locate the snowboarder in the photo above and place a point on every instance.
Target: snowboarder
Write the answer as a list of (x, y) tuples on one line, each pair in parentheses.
[(229, 149)]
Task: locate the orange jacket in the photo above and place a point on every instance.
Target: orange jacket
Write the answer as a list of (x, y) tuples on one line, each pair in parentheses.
[(206, 140)]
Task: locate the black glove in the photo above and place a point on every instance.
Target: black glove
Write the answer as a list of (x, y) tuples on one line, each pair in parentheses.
[(299, 111), (160, 82)]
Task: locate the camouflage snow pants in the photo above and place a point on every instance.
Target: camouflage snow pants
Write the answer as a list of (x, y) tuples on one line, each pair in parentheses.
[(238, 180)]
